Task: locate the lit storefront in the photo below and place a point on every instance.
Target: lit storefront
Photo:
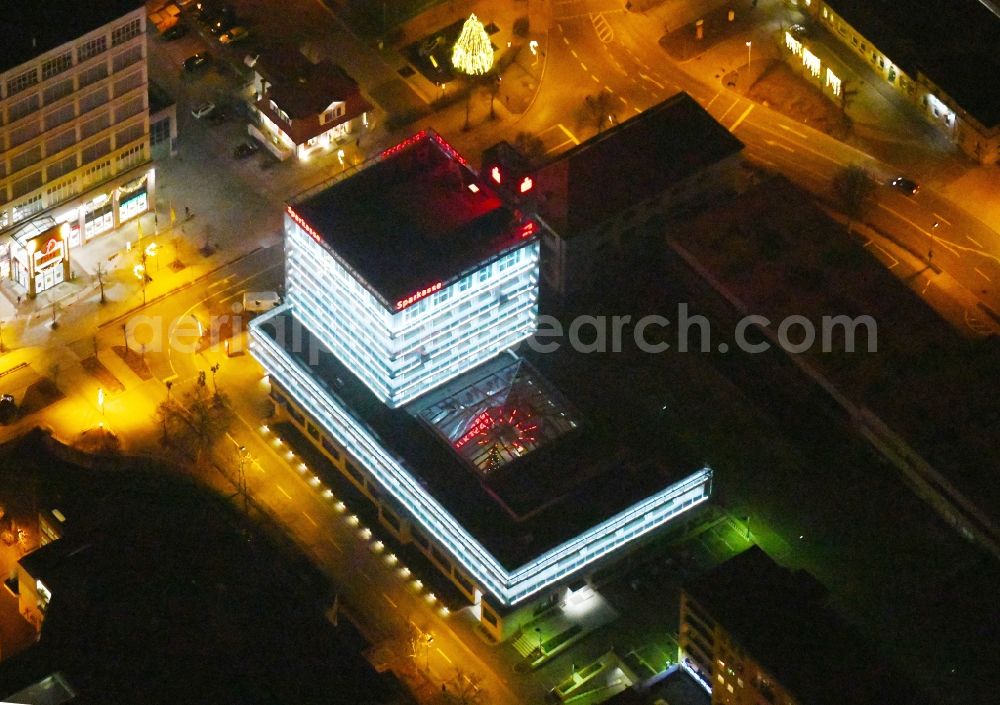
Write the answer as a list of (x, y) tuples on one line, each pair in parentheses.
[(77, 223), (39, 255)]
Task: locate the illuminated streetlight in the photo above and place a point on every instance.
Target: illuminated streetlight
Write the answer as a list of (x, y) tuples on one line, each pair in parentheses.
[(749, 45)]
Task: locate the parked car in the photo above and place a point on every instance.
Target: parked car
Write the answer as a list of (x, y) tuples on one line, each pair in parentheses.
[(8, 409), (203, 110), (234, 35), (245, 149), (197, 61), (175, 32), (907, 186), (798, 31)]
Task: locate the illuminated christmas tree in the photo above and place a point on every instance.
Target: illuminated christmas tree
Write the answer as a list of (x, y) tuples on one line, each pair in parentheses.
[(473, 53)]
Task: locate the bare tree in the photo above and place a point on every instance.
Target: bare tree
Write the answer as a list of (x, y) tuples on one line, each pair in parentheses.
[(600, 108), (530, 146), (854, 191)]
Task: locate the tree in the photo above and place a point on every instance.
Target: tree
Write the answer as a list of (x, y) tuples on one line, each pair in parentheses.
[(194, 425), (530, 146), (854, 191), (473, 52), (599, 108), (100, 281)]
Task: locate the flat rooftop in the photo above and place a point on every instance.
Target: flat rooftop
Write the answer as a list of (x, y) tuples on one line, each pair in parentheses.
[(410, 220), (636, 160), (32, 27), (617, 450), (956, 44), (780, 618)]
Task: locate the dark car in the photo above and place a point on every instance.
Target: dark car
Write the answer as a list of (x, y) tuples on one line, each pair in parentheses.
[(197, 61), (8, 409), (907, 186), (175, 32), (217, 116), (245, 149)]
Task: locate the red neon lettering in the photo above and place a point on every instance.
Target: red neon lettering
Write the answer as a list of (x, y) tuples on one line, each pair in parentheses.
[(526, 184), (528, 229), (417, 295), (301, 222)]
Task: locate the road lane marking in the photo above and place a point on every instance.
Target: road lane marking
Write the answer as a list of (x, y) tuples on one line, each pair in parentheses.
[(282, 490), (884, 251), (608, 89), (335, 545), (709, 103), (944, 220), (973, 241), (741, 118), (779, 145), (652, 80), (622, 99), (573, 52), (980, 273), (389, 600), (311, 520), (444, 655), (949, 246), (596, 79), (365, 576), (803, 135), (568, 134), (735, 103)]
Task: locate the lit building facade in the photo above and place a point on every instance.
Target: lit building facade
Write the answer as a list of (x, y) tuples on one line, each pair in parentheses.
[(403, 348), (74, 133), (942, 58), (403, 378), (302, 108)]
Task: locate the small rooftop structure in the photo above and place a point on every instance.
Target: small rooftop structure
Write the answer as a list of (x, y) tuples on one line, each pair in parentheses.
[(32, 27), (633, 161), (416, 217), (955, 44)]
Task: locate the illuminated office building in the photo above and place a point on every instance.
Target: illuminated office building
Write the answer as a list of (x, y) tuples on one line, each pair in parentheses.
[(407, 285)]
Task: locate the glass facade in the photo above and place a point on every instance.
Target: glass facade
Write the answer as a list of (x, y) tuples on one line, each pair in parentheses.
[(401, 354), (415, 502)]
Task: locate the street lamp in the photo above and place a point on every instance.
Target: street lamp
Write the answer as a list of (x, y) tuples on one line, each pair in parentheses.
[(749, 45), (538, 631), (100, 403)]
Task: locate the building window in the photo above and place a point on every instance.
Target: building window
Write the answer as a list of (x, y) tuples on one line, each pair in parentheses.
[(26, 159), (91, 48), (159, 131), (490, 618), (129, 30), (129, 134), (353, 471), (96, 124), (130, 158), (331, 114), (465, 284), (62, 167), (29, 207), (58, 90), (26, 185), (97, 150), (60, 116), (124, 85), (133, 107), (95, 73), (23, 107), (330, 448), (93, 100), (56, 66), (23, 80), (127, 57)]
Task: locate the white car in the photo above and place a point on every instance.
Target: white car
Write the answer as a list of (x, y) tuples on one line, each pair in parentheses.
[(200, 111), (234, 35)]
